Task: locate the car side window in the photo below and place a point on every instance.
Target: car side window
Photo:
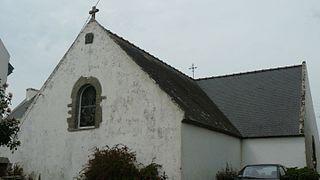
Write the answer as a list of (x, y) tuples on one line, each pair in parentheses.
[(282, 171)]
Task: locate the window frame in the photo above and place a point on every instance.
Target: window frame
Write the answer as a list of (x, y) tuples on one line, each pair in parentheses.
[(89, 38), (79, 87)]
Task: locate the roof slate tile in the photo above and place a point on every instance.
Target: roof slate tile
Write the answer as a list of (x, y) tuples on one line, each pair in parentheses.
[(262, 103)]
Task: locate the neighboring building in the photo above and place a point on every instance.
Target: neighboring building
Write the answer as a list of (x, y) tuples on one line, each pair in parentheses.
[(106, 91), (5, 67), (273, 111), (20, 110)]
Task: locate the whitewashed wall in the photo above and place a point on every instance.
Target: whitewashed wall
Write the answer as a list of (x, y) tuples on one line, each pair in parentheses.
[(310, 125), (4, 60), (205, 152), (136, 112), (288, 151)]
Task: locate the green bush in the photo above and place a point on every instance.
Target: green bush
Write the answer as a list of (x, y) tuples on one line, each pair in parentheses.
[(150, 171), (16, 170), (227, 173), (302, 174), (119, 162)]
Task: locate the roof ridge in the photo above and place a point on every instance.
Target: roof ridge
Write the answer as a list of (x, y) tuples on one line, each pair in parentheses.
[(158, 59), (249, 72)]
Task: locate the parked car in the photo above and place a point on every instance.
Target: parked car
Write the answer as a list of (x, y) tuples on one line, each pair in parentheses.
[(263, 171)]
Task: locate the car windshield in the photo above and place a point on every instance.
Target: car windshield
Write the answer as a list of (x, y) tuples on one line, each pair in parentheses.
[(260, 172)]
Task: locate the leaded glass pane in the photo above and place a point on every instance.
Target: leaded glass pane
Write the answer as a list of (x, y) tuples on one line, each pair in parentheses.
[(88, 96), (87, 107), (87, 116)]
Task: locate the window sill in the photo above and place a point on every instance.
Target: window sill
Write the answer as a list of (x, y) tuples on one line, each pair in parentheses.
[(81, 129)]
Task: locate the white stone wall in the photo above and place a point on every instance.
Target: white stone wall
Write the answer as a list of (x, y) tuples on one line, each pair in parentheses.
[(136, 112), (205, 152), (4, 60), (310, 126), (288, 151)]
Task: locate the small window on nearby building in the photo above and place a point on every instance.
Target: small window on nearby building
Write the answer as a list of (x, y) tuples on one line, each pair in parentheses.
[(314, 155), (86, 112), (89, 38), (87, 107)]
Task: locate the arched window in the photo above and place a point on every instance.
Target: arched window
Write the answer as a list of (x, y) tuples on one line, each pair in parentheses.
[(87, 107)]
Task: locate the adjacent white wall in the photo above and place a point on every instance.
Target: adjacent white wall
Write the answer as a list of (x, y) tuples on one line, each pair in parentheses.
[(205, 152), (4, 61), (136, 112), (288, 151)]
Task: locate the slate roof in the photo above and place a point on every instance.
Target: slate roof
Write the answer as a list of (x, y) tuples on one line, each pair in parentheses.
[(262, 103), (198, 107), (19, 111)]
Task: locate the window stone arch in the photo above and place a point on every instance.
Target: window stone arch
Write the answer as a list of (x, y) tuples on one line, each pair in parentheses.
[(75, 106)]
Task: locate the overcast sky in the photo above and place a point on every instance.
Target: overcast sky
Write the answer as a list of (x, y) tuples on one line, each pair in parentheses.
[(220, 37)]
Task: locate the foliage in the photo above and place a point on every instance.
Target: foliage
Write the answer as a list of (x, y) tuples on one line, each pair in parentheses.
[(302, 174), (151, 171), (228, 173), (119, 162), (16, 172), (9, 127)]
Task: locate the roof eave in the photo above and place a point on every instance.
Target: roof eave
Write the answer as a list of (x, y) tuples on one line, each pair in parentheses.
[(276, 136), (212, 128)]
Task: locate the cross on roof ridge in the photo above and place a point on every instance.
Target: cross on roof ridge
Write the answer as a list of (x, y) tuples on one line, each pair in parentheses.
[(93, 12), (193, 68)]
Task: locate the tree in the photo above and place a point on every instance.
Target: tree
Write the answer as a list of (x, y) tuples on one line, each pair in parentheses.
[(9, 127)]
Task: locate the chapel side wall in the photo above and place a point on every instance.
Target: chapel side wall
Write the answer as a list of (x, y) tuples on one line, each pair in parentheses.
[(4, 61), (288, 151), (310, 125), (205, 152), (135, 112)]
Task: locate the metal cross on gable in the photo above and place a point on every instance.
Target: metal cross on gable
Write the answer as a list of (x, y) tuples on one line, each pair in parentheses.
[(193, 68), (93, 12)]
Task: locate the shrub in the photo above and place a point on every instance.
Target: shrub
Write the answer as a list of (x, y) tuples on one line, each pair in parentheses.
[(227, 173), (151, 171), (302, 174), (16, 172), (119, 162)]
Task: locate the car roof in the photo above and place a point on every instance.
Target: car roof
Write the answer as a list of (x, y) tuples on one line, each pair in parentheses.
[(263, 165)]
